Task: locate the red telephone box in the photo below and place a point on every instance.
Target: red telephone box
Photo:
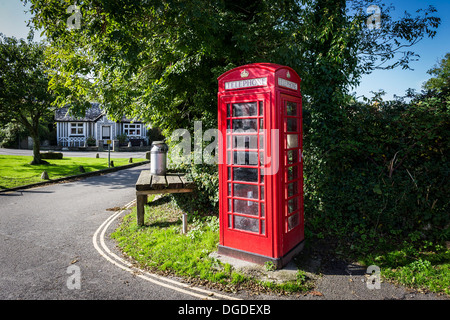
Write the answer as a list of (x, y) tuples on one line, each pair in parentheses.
[(260, 166)]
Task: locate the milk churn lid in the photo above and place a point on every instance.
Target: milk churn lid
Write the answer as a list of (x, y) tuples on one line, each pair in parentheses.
[(159, 146)]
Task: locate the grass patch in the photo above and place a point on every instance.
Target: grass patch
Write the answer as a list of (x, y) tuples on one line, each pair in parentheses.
[(423, 265), (160, 247), (16, 171)]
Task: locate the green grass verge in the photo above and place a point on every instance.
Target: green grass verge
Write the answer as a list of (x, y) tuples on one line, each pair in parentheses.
[(16, 171), (421, 265), (160, 246)]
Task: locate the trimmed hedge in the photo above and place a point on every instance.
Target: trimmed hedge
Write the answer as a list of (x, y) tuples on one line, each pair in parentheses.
[(51, 155)]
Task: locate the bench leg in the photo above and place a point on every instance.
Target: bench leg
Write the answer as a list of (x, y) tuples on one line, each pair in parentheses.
[(141, 200)]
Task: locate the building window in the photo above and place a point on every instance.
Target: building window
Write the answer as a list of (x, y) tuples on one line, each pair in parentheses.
[(76, 129), (132, 130)]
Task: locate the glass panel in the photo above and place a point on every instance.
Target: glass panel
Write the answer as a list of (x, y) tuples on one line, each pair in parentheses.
[(261, 108), (292, 156), (292, 173), (292, 189), (228, 157), (246, 207), (247, 109), (245, 174), (245, 125), (262, 210), (245, 142), (261, 142), (263, 227), (292, 141), (291, 125), (229, 221), (261, 158), (228, 124), (262, 175), (229, 205), (293, 221), (245, 158), (261, 124), (228, 110), (262, 192), (292, 205), (229, 173), (248, 224), (249, 191), (291, 108), (229, 189)]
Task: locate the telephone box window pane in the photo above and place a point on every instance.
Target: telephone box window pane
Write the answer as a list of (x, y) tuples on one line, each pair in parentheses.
[(292, 189), (291, 108), (228, 157), (262, 210), (292, 141), (228, 124), (247, 224), (229, 173), (261, 124), (292, 173), (229, 221), (293, 221), (229, 205), (246, 158), (262, 192), (250, 125), (248, 109), (245, 174), (292, 205), (228, 110), (261, 158), (261, 108), (245, 142), (291, 125), (263, 227), (249, 191), (246, 207), (292, 156), (229, 189), (262, 175), (261, 142)]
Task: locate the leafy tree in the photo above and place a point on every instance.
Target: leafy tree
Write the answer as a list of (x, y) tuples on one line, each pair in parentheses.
[(24, 94), (440, 83), (159, 60)]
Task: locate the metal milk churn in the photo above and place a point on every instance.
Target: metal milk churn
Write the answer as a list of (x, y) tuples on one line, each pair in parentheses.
[(158, 158)]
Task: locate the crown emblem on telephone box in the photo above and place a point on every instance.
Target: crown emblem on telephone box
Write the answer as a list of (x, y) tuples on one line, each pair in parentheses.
[(244, 74)]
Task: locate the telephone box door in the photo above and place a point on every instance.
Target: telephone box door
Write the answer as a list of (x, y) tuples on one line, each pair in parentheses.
[(244, 213)]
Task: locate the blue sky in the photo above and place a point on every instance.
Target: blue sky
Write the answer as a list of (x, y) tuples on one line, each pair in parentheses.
[(397, 81)]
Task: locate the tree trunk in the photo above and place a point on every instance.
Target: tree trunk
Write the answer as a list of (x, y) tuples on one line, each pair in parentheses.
[(36, 146)]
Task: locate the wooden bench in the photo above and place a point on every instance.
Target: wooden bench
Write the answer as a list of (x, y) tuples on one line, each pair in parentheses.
[(155, 184)]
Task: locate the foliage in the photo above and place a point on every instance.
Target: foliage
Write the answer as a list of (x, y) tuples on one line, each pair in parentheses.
[(24, 94), (205, 201), (390, 172), (160, 61), (440, 83)]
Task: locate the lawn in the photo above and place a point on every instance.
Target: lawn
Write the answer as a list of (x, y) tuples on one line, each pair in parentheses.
[(161, 247), (16, 171)]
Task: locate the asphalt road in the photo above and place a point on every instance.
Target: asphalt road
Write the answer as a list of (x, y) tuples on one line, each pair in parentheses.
[(54, 244), (46, 242)]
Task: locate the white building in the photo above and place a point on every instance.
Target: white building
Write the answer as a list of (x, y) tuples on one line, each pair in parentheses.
[(74, 131)]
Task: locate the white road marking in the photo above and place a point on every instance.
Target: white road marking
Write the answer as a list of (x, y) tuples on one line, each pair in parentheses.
[(154, 278)]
